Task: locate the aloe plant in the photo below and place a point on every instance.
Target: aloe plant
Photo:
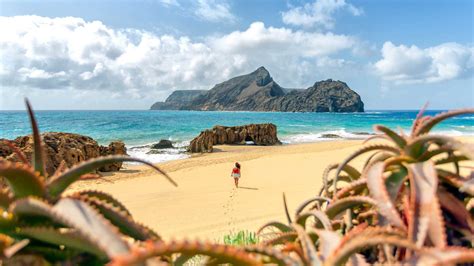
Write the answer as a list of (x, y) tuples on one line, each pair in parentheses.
[(411, 203), (40, 223)]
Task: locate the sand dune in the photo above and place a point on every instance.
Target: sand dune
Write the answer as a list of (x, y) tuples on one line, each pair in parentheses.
[(206, 204)]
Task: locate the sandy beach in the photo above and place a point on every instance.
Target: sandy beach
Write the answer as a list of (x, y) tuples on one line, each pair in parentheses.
[(206, 204)]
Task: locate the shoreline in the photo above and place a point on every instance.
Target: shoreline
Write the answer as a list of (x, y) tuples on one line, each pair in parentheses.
[(206, 205), (145, 152)]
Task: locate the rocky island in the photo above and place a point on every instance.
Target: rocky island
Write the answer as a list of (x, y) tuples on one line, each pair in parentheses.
[(258, 91)]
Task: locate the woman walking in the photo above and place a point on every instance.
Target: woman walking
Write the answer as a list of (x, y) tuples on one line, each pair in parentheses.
[(236, 174)]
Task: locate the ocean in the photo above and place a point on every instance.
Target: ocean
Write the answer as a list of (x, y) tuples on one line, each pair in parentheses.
[(140, 129)]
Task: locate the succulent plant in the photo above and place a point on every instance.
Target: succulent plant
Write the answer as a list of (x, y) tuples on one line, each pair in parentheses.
[(411, 203), (40, 223)]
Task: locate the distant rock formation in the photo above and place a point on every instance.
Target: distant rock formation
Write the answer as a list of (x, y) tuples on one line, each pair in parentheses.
[(258, 91), (259, 134), (178, 99), (72, 148)]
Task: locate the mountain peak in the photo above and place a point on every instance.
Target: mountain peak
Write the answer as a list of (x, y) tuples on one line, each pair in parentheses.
[(262, 76), (261, 71)]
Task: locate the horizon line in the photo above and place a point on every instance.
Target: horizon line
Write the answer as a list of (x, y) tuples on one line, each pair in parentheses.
[(74, 110)]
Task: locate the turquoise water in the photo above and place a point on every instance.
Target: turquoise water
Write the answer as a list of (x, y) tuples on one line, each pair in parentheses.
[(140, 128)]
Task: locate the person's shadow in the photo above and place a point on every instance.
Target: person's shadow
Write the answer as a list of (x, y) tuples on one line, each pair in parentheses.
[(251, 188)]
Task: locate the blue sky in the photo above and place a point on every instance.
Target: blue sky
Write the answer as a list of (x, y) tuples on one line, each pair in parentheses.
[(129, 54)]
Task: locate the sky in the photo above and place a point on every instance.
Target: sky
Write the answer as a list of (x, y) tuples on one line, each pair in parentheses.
[(397, 54)]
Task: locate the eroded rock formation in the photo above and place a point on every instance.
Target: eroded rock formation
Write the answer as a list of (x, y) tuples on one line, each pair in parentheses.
[(259, 134), (72, 148)]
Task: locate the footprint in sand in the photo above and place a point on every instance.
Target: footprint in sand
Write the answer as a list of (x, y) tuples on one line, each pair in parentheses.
[(229, 208)]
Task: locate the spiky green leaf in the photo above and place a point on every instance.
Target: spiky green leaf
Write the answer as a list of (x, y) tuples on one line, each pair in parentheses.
[(123, 221), (430, 123), (309, 201), (276, 257), (399, 140), (105, 197), (426, 215), (340, 205), (280, 226), (309, 249), (22, 179), (38, 152), (222, 253), (378, 191), (285, 206), (322, 219), (375, 147), (79, 216), (57, 236)]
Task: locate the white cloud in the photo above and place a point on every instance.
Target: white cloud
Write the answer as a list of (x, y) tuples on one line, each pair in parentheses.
[(72, 54), (261, 40), (320, 13), (214, 10), (169, 2), (402, 64)]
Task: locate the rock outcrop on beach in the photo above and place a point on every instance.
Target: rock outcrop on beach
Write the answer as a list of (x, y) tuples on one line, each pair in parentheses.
[(163, 144), (258, 91), (68, 147), (259, 134)]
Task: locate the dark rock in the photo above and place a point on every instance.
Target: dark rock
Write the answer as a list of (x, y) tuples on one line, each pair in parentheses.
[(330, 136), (114, 148), (362, 133), (323, 96), (258, 91), (163, 144), (67, 147), (259, 134), (156, 152), (177, 100)]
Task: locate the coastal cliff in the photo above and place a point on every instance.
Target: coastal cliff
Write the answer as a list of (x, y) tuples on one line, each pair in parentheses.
[(258, 91)]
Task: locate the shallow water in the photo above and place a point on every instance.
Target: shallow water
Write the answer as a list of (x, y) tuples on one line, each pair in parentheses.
[(138, 129)]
